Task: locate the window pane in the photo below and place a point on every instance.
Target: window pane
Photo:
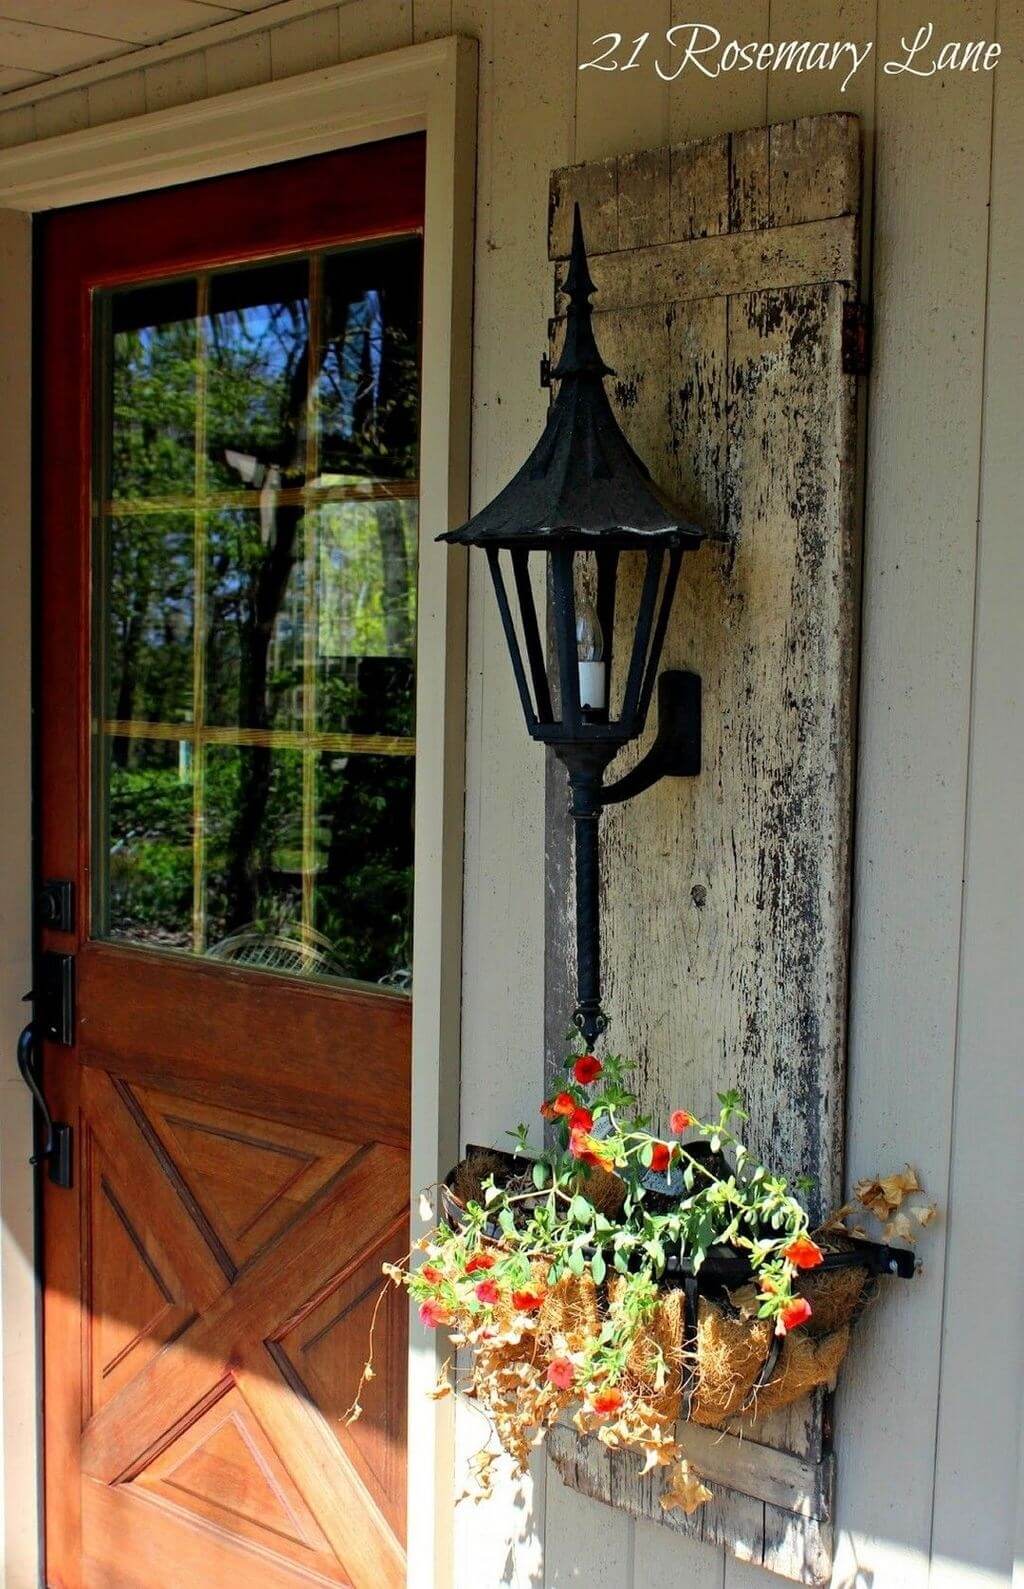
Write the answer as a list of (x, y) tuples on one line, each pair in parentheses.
[(258, 341), (148, 616), (148, 842), (152, 391), (369, 379), (255, 577), (366, 616), (255, 617), (364, 865)]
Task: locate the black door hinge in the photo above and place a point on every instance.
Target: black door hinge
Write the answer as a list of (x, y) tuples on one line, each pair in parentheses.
[(56, 999), (856, 338)]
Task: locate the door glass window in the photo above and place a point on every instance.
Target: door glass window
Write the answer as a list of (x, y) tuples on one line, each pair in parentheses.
[(255, 533)]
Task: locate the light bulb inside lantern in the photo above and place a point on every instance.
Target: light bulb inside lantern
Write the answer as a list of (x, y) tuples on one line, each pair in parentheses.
[(590, 653)]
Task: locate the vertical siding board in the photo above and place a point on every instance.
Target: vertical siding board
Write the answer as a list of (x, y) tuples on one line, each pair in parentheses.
[(179, 81), (238, 63), (621, 111), (431, 19), (368, 27), (931, 186), (701, 106), (527, 100), (67, 112), (305, 44), (117, 98), (979, 1426)]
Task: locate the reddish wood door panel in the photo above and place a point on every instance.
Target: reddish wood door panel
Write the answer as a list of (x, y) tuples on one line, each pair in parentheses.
[(241, 1135)]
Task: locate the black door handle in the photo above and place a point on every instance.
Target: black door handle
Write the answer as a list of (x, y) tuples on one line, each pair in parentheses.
[(56, 1148)]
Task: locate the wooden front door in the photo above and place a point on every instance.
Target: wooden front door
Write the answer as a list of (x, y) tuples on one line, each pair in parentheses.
[(227, 467)]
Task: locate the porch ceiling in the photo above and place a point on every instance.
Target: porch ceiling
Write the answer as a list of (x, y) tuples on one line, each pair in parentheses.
[(43, 39)]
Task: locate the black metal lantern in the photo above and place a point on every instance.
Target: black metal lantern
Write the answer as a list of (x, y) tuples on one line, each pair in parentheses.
[(581, 500)]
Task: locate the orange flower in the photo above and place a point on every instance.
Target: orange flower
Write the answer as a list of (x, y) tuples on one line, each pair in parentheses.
[(679, 1121), (562, 1104), (588, 1150), (527, 1301), (431, 1275), (587, 1069), (606, 1401), (804, 1253), (432, 1314), (661, 1155), (561, 1373), (767, 1286), (547, 1109), (793, 1315), (487, 1291), (581, 1120), (480, 1260)]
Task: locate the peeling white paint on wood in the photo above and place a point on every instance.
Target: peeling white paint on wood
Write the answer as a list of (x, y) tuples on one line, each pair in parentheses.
[(730, 965)]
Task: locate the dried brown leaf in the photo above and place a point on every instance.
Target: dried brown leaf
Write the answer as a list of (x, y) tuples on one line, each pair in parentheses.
[(686, 1489)]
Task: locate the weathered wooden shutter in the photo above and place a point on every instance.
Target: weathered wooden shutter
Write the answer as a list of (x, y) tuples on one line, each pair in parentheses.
[(722, 271)]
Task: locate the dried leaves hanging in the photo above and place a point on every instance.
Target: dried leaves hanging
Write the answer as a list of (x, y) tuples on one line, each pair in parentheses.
[(685, 1489)]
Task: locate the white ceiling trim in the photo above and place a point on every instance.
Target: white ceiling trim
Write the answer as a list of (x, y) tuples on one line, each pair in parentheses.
[(131, 59)]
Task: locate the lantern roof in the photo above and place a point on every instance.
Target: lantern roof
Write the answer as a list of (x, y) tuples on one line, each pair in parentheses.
[(582, 485)]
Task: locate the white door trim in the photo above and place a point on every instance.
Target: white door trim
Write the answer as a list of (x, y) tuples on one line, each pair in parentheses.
[(429, 87)]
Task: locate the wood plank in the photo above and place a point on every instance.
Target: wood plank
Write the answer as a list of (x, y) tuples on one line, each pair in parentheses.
[(594, 186), (932, 173), (334, 1053), (305, 43), (813, 169), (757, 410), (123, 20), (749, 205), (238, 63), (42, 49), (708, 267), (703, 106), (975, 1453), (125, 1524), (699, 198), (117, 98), (644, 206)]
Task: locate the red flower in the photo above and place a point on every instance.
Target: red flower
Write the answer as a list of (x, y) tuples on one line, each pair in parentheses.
[(793, 1315), (587, 1069), (527, 1301), (581, 1120), (804, 1253), (606, 1401), (587, 1149), (432, 1275), (561, 1373), (432, 1314), (480, 1260), (661, 1155), (679, 1121), (487, 1291)]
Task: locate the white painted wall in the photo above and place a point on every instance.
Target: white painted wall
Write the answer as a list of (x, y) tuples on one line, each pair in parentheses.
[(927, 1426)]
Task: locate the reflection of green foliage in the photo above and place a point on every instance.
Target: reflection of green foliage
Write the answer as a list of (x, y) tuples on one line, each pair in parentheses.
[(150, 874), (153, 429), (257, 606)]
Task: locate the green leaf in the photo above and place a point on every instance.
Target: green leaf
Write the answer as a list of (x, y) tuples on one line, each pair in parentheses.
[(507, 1223), (540, 1175), (716, 1143), (577, 1262), (597, 1267), (581, 1209), (621, 1260), (490, 1193)]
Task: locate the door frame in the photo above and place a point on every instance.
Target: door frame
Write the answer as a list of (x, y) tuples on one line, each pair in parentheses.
[(430, 88)]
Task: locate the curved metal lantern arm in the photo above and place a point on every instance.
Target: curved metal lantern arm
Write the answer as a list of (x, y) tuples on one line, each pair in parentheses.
[(675, 752)]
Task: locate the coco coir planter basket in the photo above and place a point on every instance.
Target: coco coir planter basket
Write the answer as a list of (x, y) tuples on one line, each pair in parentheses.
[(730, 1364)]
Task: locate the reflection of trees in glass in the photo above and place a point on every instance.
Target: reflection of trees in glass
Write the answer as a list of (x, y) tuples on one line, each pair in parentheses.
[(255, 390)]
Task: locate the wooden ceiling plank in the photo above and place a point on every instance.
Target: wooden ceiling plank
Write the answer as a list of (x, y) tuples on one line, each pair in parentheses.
[(125, 20), (52, 50)]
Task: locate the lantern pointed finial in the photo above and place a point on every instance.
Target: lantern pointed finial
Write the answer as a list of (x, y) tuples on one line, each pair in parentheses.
[(580, 354)]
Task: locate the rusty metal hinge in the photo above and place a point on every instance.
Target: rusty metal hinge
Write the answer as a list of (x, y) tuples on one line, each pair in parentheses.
[(856, 338)]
